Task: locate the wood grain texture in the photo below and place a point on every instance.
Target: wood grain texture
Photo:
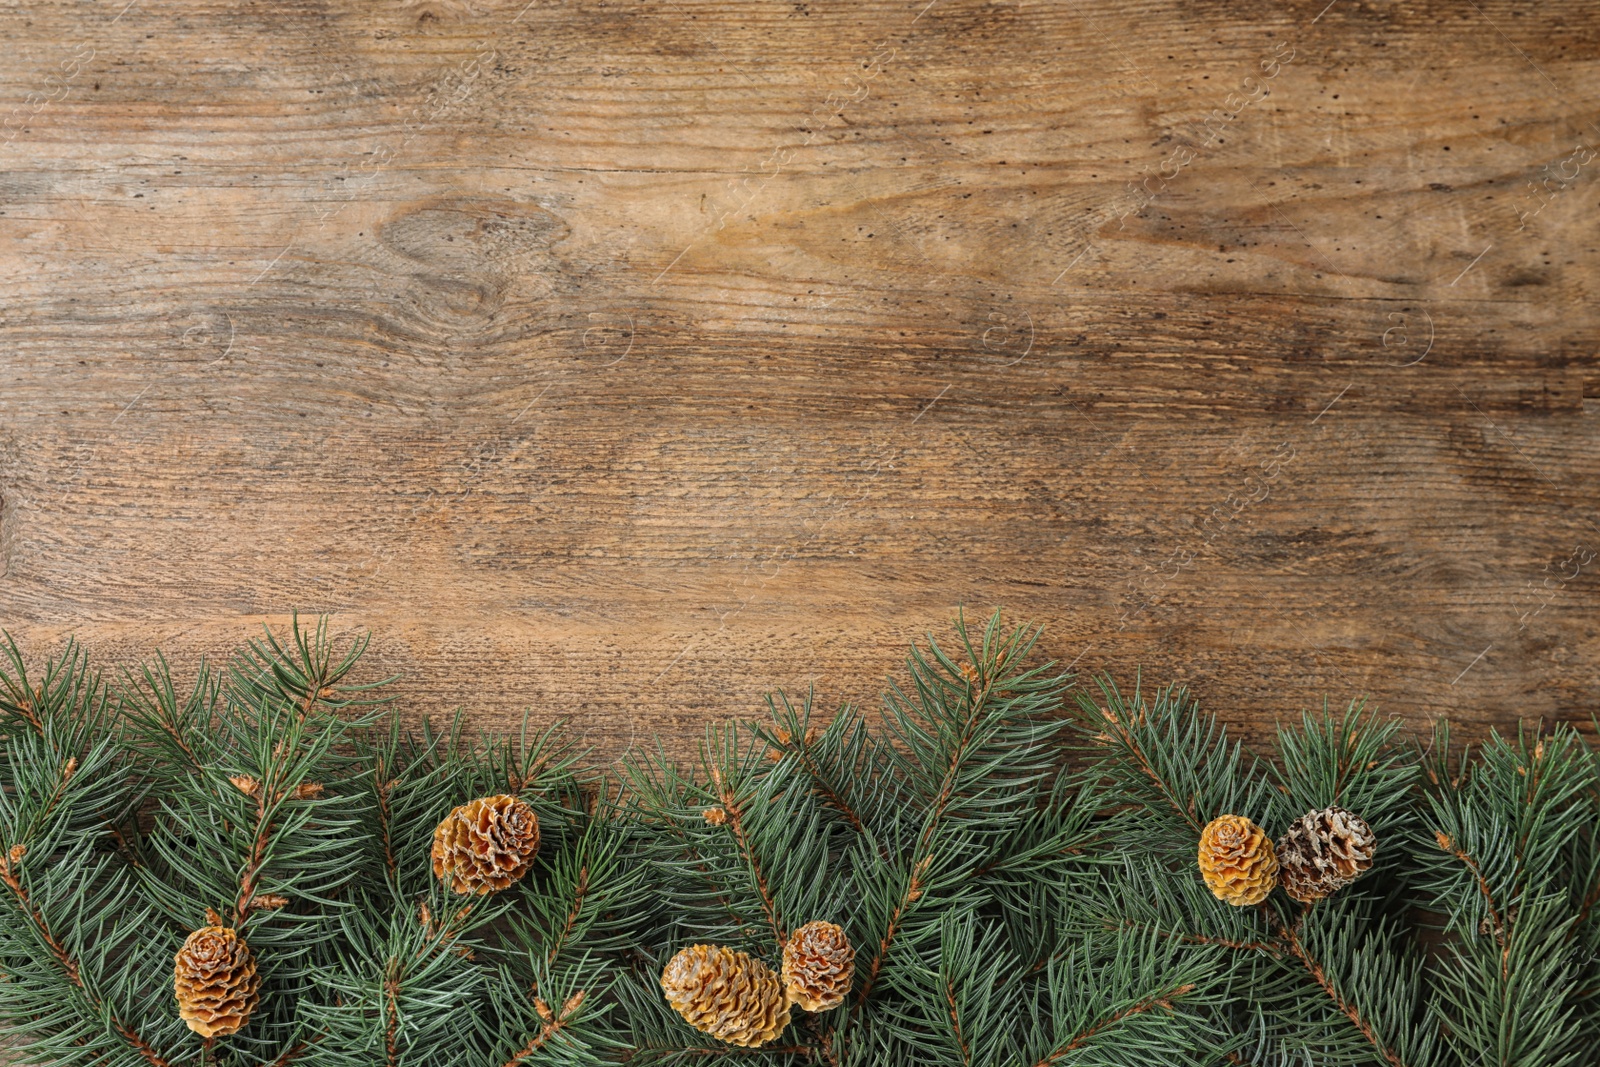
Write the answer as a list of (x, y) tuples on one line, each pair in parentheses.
[(626, 361)]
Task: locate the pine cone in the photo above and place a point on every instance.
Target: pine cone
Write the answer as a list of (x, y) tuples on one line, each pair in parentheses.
[(1324, 851), (1236, 860), (214, 979), (818, 965), (485, 845), (726, 994)]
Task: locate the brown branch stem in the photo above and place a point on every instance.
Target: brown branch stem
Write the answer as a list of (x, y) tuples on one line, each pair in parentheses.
[(25, 904), (385, 817), (955, 1021), (391, 1010), (252, 867)]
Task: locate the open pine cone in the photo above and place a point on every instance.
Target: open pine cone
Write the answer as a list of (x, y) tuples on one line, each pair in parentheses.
[(726, 994), (1237, 861), (215, 981), (1324, 851), (486, 844), (818, 966)]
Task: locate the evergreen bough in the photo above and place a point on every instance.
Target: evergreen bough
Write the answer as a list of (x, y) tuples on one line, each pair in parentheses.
[(1011, 857)]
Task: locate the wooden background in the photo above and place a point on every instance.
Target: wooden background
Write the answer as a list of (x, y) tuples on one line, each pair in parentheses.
[(628, 360)]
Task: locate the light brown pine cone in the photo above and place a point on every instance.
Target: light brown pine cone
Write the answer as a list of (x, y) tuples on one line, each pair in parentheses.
[(1237, 861), (818, 966), (726, 994), (486, 844), (215, 981), (1324, 851)]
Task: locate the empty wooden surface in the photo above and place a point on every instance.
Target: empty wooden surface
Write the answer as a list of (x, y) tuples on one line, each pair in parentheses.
[(629, 360)]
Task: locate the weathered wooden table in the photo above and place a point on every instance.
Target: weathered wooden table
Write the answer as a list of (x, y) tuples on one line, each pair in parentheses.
[(628, 360)]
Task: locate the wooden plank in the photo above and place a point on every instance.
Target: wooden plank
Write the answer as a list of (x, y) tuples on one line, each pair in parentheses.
[(627, 362)]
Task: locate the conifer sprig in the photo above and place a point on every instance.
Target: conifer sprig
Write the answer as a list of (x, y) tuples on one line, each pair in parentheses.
[(1015, 876)]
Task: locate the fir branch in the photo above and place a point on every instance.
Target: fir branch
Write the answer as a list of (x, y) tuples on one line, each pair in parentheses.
[(1121, 733), (64, 681), (955, 1020), (706, 874), (1150, 1003), (138, 1044), (1590, 899), (1166, 756), (406, 985), (656, 805), (290, 1054), (844, 764), (580, 890), (1345, 760), (947, 786), (830, 792), (182, 743), (155, 709), (302, 673), (19, 699), (1289, 935), (920, 859), (66, 961), (912, 894), (381, 786), (1497, 920), (544, 763), (553, 1024), (735, 823), (60, 789), (441, 930), (20, 896), (253, 863), (1004, 909), (1236, 944)]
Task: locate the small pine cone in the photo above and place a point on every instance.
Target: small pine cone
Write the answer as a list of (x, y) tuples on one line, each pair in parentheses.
[(1324, 851), (215, 981), (726, 994), (485, 845), (818, 966), (1237, 861)]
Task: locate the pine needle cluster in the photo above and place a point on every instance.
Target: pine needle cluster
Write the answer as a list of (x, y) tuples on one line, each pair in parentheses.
[(1011, 854)]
